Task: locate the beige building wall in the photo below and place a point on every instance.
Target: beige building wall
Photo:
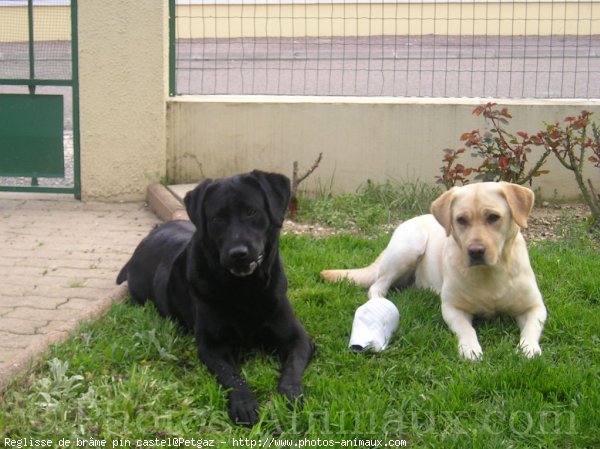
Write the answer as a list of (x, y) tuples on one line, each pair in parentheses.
[(356, 19), (123, 88), (350, 19), (378, 139)]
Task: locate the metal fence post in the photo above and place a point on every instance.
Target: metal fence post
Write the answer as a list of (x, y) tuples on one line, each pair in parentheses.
[(31, 37), (75, 99)]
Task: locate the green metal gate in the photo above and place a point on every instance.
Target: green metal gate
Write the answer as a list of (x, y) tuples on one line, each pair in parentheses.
[(39, 96)]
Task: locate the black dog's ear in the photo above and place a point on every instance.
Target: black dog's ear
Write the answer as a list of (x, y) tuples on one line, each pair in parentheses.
[(277, 192), (193, 204)]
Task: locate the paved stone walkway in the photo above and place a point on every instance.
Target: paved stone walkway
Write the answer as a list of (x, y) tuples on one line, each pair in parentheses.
[(59, 259)]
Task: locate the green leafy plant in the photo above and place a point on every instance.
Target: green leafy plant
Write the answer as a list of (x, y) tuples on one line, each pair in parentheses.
[(453, 172), (573, 143), (57, 385), (504, 155)]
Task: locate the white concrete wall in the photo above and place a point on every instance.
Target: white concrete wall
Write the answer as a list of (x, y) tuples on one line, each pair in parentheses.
[(123, 87), (361, 139)]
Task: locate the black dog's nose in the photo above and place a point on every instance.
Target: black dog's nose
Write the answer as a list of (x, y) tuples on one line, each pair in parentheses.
[(476, 253), (238, 252)]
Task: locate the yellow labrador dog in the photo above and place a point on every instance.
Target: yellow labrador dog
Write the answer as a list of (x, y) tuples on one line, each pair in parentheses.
[(471, 252)]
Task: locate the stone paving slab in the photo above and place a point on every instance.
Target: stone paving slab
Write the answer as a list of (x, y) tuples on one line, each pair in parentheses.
[(59, 259)]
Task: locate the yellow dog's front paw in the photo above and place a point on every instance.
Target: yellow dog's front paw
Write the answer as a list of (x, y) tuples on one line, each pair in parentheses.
[(530, 348), (470, 351)]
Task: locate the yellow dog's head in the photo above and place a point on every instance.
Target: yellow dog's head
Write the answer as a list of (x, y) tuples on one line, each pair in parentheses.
[(483, 217)]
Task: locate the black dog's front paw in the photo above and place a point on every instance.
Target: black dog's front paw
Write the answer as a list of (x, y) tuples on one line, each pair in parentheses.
[(243, 408), (293, 393)]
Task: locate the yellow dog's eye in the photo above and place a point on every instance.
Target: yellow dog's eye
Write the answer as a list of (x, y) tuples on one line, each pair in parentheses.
[(462, 221), (493, 218)]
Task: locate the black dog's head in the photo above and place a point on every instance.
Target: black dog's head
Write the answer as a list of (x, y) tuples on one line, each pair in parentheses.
[(239, 217)]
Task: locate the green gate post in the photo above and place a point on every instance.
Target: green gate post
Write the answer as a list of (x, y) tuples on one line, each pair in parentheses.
[(172, 48)]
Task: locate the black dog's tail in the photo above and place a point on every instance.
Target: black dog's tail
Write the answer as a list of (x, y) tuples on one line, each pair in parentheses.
[(122, 277)]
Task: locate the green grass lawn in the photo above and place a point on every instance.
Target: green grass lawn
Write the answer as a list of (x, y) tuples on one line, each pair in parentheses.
[(134, 375)]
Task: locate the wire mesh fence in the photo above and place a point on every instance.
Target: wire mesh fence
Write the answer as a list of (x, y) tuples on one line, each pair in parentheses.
[(47, 51), (475, 48)]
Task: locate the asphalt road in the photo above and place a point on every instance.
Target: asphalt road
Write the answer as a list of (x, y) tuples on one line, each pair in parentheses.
[(429, 66), (398, 66)]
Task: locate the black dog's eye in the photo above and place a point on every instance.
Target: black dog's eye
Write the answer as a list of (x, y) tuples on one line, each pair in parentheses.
[(250, 212), (462, 221), (493, 218)]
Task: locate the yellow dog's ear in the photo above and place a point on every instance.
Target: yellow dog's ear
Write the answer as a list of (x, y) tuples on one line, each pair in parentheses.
[(441, 209), (520, 202)]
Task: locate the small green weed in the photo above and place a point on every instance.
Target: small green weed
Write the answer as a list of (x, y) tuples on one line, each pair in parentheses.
[(77, 284), (371, 208), (57, 386)]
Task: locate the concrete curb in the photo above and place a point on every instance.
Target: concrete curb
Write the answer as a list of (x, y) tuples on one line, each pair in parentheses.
[(164, 204)]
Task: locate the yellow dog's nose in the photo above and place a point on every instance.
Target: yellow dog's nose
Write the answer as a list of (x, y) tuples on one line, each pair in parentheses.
[(476, 252)]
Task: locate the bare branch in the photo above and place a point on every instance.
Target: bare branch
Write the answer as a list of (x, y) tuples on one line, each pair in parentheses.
[(309, 172)]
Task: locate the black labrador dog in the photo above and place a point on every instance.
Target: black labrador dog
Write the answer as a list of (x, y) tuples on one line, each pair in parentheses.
[(222, 278)]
